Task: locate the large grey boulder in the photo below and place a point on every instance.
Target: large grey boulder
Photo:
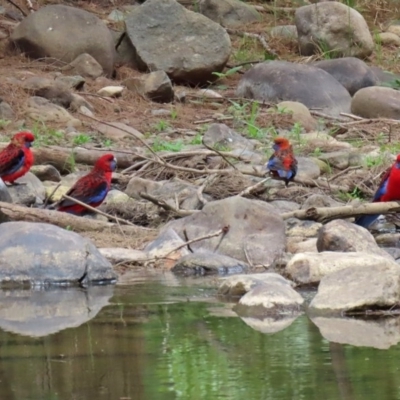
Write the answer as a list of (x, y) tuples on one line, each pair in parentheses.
[(333, 27), (276, 81), (63, 33), (38, 253), (355, 288), (188, 46), (37, 313), (256, 232), (353, 73)]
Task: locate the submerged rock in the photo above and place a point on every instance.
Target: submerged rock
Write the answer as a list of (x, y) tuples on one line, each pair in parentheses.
[(208, 263), (39, 313), (272, 296), (380, 333), (41, 254), (239, 285)]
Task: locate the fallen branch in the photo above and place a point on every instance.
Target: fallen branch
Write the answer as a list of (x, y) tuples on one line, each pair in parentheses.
[(326, 214), (163, 204), (253, 188), (95, 210), (15, 212)]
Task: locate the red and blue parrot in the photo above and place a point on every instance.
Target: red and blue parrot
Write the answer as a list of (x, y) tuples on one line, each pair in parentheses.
[(282, 164), (92, 188), (16, 159), (388, 190)]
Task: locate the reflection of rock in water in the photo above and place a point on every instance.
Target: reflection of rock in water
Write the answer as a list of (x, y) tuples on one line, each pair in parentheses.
[(43, 312), (271, 324), (381, 334)]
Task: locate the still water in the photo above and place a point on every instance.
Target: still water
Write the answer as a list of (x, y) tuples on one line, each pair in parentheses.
[(163, 340)]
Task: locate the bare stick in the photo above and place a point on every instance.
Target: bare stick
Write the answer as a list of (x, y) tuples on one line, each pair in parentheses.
[(17, 6), (224, 230), (15, 212), (253, 188), (163, 204), (344, 172), (124, 221), (51, 195), (219, 153), (325, 214)]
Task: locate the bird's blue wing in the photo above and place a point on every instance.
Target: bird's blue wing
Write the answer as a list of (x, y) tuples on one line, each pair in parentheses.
[(11, 163), (86, 194)]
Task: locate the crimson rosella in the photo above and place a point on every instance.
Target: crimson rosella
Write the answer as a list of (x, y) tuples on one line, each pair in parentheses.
[(282, 164), (16, 159), (92, 188), (388, 190)]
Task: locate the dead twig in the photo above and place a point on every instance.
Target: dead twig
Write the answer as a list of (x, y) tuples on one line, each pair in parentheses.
[(18, 7), (253, 188), (222, 231), (219, 153), (326, 214), (95, 210), (343, 172), (51, 195), (163, 204)]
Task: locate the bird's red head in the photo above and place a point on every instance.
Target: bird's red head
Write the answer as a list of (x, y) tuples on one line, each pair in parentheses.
[(24, 138), (107, 163), (281, 143)]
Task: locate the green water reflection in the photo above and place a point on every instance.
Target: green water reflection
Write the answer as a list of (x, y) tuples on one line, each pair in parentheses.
[(154, 342)]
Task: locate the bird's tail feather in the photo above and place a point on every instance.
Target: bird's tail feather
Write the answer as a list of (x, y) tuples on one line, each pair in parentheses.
[(366, 220)]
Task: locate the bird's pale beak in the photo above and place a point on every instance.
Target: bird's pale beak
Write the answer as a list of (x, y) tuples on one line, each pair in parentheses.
[(28, 144), (114, 164)]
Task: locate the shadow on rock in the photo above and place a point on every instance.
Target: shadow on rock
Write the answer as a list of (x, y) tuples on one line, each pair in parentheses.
[(44, 312), (379, 333)]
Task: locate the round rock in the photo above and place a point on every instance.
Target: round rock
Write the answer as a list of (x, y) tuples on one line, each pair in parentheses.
[(40, 254), (376, 102), (351, 72), (64, 32), (277, 81), (335, 27)]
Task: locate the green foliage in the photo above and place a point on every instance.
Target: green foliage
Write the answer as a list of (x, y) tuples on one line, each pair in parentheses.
[(229, 72), (4, 123), (107, 143), (375, 161), (45, 135), (356, 193), (174, 114), (161, 126), (163, 145), (198, 139), (81, 139)]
